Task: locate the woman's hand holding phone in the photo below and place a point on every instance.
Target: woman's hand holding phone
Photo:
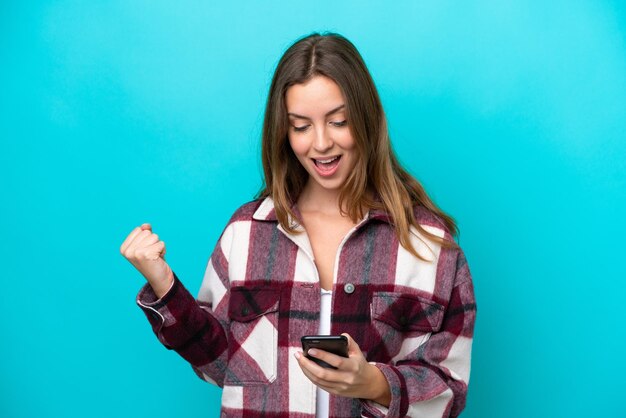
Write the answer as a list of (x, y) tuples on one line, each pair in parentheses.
[(336, 344), (146, 252), (352, 377)]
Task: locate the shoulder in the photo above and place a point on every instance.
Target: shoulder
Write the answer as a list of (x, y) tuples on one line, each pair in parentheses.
[(236, 234), (261, 209), (247, 211), (431, 222), (425, 221), (452, 259)]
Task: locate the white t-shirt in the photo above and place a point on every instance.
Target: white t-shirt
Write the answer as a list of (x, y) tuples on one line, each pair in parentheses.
[(322, 403)]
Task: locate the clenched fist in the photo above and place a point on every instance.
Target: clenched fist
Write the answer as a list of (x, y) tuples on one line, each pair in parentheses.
[(146, 252)]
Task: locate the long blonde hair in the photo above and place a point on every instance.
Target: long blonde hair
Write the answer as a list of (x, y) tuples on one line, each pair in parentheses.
[(378, 181)]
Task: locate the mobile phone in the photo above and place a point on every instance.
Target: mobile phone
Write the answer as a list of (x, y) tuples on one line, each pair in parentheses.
[(336, 344)]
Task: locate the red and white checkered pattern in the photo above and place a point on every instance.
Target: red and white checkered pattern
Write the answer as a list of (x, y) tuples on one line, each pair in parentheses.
[(414, 319)]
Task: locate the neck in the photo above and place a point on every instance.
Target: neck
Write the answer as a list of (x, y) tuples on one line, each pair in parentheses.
[(317, 199)]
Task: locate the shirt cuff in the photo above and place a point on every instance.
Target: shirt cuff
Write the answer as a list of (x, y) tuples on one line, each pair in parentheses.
[(377, 410), (155, 308), (146, 296)]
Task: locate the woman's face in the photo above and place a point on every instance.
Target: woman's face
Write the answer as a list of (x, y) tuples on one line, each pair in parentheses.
[(318, 132)]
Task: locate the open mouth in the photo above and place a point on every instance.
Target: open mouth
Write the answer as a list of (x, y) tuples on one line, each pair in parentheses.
[(327, 162), (327, 166)]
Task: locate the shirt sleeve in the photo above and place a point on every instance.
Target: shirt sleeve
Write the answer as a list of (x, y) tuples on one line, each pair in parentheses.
[(432, 380), (195, 328)]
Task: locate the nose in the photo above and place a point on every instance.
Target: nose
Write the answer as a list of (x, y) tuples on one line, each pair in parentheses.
[(322, 142)]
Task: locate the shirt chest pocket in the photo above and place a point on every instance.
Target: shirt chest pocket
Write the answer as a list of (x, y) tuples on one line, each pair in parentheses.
[(401, 323), (253, 346)]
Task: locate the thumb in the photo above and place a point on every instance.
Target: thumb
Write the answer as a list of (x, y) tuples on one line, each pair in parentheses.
[(353, 347), (146, 226)]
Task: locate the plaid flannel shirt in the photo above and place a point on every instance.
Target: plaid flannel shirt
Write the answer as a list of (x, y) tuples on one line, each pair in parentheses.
[(413, 319)]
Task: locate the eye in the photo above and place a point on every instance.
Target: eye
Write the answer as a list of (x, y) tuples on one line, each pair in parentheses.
[(301, 128), (339, 124)]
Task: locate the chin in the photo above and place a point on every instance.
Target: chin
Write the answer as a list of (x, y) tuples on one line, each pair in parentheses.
[(331, 184)]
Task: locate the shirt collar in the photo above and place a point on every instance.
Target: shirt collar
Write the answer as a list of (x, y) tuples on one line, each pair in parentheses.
[(266, 212)]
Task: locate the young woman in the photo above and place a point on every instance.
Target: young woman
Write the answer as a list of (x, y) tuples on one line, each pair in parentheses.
[(342, 240)]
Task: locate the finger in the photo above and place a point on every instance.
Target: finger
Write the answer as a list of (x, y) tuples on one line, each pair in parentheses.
[(332, 386), (129, 239), (155, 249), (353, 347), (330, 358), (144, 257), (148, 240), (308, 365), (149, 246), (310, 369), (321, 374), (332, 381), (137, 242)]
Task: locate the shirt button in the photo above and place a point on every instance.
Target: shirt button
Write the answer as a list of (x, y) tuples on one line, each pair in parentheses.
[(348, 288)]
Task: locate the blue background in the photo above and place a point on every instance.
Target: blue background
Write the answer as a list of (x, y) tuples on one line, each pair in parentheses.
[(116, 113)]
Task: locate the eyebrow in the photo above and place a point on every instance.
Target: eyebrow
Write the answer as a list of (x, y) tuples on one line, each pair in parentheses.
[(335, 110)]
